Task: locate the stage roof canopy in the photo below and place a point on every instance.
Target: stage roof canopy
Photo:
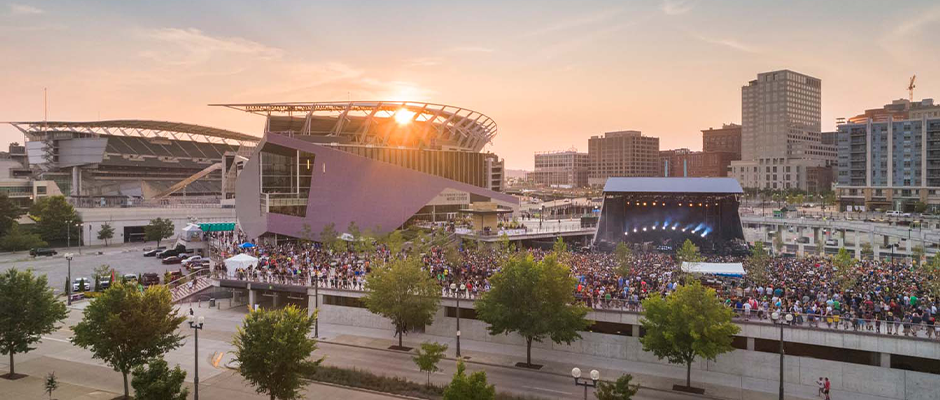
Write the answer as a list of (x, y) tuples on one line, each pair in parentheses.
[(674, 185), (723, 269)]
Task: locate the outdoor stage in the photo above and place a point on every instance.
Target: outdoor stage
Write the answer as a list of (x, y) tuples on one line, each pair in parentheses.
[(664, 212)]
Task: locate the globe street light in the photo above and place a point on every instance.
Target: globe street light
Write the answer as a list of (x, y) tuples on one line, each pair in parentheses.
[(595, 376), (196, 324), (788, 319), (453, 287), (68, 286)]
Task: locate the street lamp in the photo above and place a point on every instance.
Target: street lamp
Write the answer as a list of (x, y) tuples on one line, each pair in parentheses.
[(595, 376), (68, 286), (79, 225), (196, 324), (775, 316), (453, 287), (316, 302)]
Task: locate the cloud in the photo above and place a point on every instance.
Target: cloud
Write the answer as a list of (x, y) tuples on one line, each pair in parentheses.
[(577, 22), (676, 7), (424, 62), (911, 39), (910, 26), (729, 43), (23, 9), (470, 49), (175, 46)]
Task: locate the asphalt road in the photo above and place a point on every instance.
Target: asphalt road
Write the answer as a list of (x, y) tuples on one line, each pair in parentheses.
[(124, 258)]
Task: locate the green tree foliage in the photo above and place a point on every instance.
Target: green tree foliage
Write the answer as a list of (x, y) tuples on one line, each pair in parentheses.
[(51, 384), (758, 263), (158, 229), (29, 311), (306, 233), (505, 245), (931, 272), (102, 271), (428, 356), (844, 266), (920, 207), (917, 254), (54, 217), (688, 253), (126, 327), (473, 387), (778, 242), (867, 251), (623, 255), (106, 233), (621, 389), (9, 212), (690, 322), (395, 242), (16, 239), (535, 300), (157, 381), (273, 349), (329, 236), (402, 292)]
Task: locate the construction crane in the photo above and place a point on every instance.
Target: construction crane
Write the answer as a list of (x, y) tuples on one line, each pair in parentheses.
[(911, 87)]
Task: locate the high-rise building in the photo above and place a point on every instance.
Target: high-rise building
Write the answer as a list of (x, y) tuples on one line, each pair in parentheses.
[(781, 146), (898, 110), (889, 164), (622, 154), (561, 168), (686, 163), (725, 139)]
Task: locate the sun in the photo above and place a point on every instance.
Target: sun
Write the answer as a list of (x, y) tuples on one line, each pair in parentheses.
[(404, 116)]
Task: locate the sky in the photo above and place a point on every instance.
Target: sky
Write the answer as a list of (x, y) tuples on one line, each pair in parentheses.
[(550, 73)]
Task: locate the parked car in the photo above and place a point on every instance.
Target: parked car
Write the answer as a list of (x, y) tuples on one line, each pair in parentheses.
[(81, 285), (129, 277), (42, 251), (893, 213), (104, 282), (195, 260), (172, 260), (174, 252), (174, 275), (154, 252), (150, 279), (832, 242)]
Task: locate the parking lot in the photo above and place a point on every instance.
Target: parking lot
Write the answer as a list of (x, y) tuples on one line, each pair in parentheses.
[(126, 259)]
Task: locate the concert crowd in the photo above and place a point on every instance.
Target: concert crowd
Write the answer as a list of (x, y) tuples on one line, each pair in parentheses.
[(885, 297)]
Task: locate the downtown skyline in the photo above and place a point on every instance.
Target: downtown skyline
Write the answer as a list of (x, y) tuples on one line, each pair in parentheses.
[(550, 76)]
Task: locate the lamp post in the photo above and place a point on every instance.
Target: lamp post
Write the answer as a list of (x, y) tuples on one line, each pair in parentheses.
[(595, 376), (79, 225), (68, 286), (68, 234), (453, 287), (776, 319), (196, 324), (316, 302)]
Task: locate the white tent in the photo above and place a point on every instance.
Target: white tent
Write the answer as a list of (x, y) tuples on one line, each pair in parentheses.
[(240, 261), (724, 269)]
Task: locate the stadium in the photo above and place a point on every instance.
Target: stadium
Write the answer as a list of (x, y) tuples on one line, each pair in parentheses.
[(379, 164)]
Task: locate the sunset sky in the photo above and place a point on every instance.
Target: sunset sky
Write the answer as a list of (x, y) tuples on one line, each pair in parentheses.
[(550, 73)]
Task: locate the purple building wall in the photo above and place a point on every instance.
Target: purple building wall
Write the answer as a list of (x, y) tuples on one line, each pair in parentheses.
[(345, 187)]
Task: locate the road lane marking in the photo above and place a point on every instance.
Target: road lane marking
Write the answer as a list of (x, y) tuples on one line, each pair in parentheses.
[(547, 390), (56, 339), (216, 359)]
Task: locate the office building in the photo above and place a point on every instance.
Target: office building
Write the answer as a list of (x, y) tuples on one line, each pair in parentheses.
[(890, 164), (726, 139), (566, 169), (622, 154), (684, 163), (781, 145), (899, 110)]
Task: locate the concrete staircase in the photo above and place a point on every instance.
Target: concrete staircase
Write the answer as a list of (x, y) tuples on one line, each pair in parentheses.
[(183, 291)]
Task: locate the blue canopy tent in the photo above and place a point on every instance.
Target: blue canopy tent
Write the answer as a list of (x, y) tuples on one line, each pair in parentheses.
[(246, 245)]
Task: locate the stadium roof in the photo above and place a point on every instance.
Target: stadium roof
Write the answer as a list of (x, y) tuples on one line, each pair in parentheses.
[(673, 185), (432, 124), (118, 127)]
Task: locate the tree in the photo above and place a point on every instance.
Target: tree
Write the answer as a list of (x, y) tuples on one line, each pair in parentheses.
[(688, 253), (404, 293), (29, 311), (473, 387), (505, 245), (778, 242), (157, 381), (867, 250), (106, 233), (535, 300), (758, 263), (126, 327), (428, 356), (158, 229), (51, 384), (690, 322), (621, 389), (9, 213), (55, 218), (17, 240), (931, 274), (622, 255), (920, 207), (917, 253), (329, 236), (394, 242), (272, 348)]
